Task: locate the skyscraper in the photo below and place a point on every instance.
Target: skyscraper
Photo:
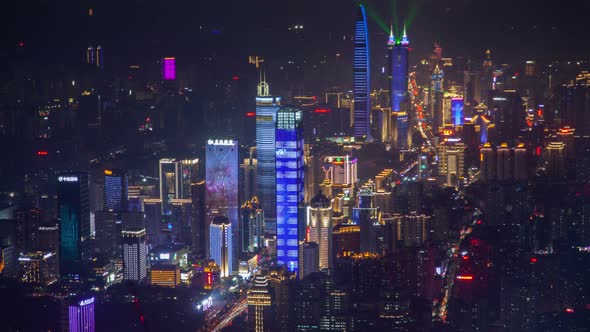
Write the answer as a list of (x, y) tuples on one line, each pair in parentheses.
[(289, 164), (79, 315), (74, 221), (361, 76), (221, 198), (99, 57), (221, 244), (115, 190), (134, 254), (170, 183), (399, 72), (319, 225), (267, 107), (436, 97), (365, 215)]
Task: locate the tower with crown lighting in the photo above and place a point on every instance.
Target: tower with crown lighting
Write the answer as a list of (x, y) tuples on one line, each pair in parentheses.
[(398, 69), (361, 77)]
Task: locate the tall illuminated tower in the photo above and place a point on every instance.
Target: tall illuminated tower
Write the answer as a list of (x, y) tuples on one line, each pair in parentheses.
[(399, 72), (436, 97), (221, 245), (289, 165), (79, 315), (361, 77), (267, 107), (74, 222), (319, 228), (221, 198)]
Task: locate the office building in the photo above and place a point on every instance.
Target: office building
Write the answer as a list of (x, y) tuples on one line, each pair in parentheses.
[(361, 77), (398, 58), (169, 68), (251, 226), (99, 56), (319, 228), (309, 258), (221, 197), (401, 137), (170, 183), (436, 97), (248, 179), (487, 163), (521, 168), (267, 107), (260, 312), (165, 274), (221, 245), (504, 162), (451, 165), (39, 268), (134, 254), (74, 222), (115, 190), (555, 159), (340, 170), (290, 183), (366, 217), (79, 315)]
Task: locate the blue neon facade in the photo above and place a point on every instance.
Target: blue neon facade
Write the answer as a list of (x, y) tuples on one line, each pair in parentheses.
[(457, 111), (266, 119), (289, 166), (361, 76), (399, 74)]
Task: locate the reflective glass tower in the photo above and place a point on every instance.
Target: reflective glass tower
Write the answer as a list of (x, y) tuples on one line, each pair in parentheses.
[(361, 78), (74, 222), (267, 107), (115, 190), (289, 167)]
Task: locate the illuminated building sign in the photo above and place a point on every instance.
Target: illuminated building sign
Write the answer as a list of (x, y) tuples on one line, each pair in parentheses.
[(164, 256), (264, 118), (169, 68), (322, 110), (108, 172), (86, 302), (226, 142), (42, 153), (464, 277), (67, 179)]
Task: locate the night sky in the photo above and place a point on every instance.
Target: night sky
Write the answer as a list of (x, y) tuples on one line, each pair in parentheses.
[(513, 29)]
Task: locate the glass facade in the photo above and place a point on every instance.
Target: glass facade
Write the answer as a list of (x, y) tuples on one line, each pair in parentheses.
[(266, 113), (221, 173), (399, 74), (289, 166), (361, 79), (115, 190), (74, 221)]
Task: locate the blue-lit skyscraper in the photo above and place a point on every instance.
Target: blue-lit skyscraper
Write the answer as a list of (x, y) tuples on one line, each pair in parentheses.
[(398, 58), (289, 165), (457, 111), (267, 107), (221, 175), (74, 222), (115, 190), (361, 77)]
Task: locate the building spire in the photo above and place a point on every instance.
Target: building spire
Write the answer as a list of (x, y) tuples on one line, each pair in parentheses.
[(391, 40), (263, 87), (405, 41)]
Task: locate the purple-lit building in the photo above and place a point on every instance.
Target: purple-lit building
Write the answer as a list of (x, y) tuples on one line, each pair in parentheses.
[(80, 315), (221, 175), (169, 68)]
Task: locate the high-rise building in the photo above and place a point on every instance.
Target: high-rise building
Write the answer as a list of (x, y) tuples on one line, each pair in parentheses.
[(361, 77), (521, 168), (221, 245), (340, 170), (79, 315), (38, 267), (134, 254), (267, 107), (365, 216), (260, 313), (107, 238), (170, 183), (74, 222), (399, 72), (28, 221), (169, 68), (451, 162), (309, 258), (290, 182), (221, 198), (165, 274), (248, 173), (457, 111), (251, 226), (436, 97), (99, 57), (115, 190), (90, 55), (555, 158), (487, 163), (504, 162), (319, 228), (400, 136)]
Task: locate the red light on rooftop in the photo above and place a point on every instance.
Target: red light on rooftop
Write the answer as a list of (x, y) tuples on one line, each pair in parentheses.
[(321, 110), (538, 151), (533, 260), (464, 277), (465, 257), (235, 78), (42, 153), (569, 310), (21, 44), (251, 114)]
